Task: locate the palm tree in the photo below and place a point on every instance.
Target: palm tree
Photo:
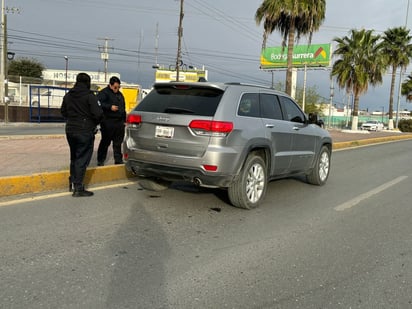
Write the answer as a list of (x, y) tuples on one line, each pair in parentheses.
[(360, 63), (407, 88), (292, 18), (398, 49)]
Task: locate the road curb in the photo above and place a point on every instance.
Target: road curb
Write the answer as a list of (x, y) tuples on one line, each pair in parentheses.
[(50, 181), (41, 182)]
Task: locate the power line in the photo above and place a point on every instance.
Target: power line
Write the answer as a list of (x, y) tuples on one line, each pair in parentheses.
[(52, 42), (209, 58)]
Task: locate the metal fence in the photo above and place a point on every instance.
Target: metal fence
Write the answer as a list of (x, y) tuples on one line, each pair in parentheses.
[(45, 102)]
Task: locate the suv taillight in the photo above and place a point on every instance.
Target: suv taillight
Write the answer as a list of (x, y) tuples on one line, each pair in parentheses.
[(211, 128), (133, 120)]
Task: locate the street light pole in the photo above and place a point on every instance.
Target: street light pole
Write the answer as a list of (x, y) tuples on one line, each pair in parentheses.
[(331, 101), (399, 99), (400, 78), (67, 67)]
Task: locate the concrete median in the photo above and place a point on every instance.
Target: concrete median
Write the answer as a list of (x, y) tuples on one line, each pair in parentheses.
[(369, 141)]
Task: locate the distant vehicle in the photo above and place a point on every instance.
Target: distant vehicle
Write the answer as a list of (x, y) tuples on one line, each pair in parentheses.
[(231, 136), (372, 125)]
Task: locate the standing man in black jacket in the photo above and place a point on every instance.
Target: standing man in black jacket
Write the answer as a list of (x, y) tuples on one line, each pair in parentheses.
[(112, 127), (83, 113)]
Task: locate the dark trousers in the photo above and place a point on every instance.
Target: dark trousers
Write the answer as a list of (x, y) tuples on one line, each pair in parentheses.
[(112, 131), (81, 150)]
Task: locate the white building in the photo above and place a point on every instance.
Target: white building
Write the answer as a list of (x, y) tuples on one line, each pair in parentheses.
[(59, 76)]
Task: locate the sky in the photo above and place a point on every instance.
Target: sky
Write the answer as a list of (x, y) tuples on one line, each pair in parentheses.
[(221, 36)]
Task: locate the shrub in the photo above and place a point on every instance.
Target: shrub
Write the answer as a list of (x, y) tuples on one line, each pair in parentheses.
[(405, 125)]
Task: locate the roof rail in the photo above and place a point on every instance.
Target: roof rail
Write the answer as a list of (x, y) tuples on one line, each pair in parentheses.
[(246, 84)]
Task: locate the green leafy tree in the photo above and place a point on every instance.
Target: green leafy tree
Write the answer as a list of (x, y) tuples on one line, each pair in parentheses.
[(292, 18), (360, 63), (30, 70), (397, 48), (313, 100)]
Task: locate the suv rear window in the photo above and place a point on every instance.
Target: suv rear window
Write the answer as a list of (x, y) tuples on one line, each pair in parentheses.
[(198, 101)]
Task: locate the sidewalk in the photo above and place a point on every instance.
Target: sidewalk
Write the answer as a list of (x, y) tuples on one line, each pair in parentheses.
[(28, 154)]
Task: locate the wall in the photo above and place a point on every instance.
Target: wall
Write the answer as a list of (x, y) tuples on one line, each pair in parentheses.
[(24, 114)]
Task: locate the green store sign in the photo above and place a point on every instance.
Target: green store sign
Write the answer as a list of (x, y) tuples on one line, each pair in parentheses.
[(310, 55)]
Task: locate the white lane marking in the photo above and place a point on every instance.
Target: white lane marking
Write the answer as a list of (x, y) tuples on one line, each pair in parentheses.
[(60, 194), (364, 196)]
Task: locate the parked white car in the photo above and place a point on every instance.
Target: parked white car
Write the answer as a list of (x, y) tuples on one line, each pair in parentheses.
[(372, 125)]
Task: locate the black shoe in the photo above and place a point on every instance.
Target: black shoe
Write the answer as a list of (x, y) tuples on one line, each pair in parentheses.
[(100, 163), (119, 162), (81, 193)]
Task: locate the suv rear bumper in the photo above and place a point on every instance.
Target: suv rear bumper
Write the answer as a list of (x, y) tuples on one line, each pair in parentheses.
[(173, 173)]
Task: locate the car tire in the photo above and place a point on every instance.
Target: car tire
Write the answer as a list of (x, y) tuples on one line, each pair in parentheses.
[(249, 189), (320, 173), (153, 184)]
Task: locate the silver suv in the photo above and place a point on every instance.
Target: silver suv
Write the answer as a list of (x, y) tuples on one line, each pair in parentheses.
[(224, 135)]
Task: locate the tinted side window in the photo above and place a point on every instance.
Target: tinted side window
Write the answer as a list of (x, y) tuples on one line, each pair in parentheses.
[(270, 107), (190, 100), (291, 111), (249, 105)]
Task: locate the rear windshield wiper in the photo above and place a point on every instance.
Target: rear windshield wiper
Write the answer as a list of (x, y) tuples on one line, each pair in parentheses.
[(176, 110)]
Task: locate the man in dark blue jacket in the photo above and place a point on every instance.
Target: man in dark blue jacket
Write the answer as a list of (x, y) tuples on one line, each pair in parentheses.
[(112, 127), (83, 113)]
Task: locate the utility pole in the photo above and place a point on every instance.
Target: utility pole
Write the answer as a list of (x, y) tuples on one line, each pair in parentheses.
[(138, 53), (104, 55), (156, 44), (304, 87), (179, 41), (2, 57)]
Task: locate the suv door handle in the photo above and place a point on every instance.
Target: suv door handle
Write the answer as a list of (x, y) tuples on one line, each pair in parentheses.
[(296, 128), (269, 125)]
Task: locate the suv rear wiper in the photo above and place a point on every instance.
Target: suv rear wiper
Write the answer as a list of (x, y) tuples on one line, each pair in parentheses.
[(176, 110)]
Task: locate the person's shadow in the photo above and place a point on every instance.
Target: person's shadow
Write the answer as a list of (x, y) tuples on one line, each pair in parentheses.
[(139, 251)]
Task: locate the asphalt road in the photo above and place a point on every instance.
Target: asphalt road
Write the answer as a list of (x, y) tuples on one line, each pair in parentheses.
[(344, 245)]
